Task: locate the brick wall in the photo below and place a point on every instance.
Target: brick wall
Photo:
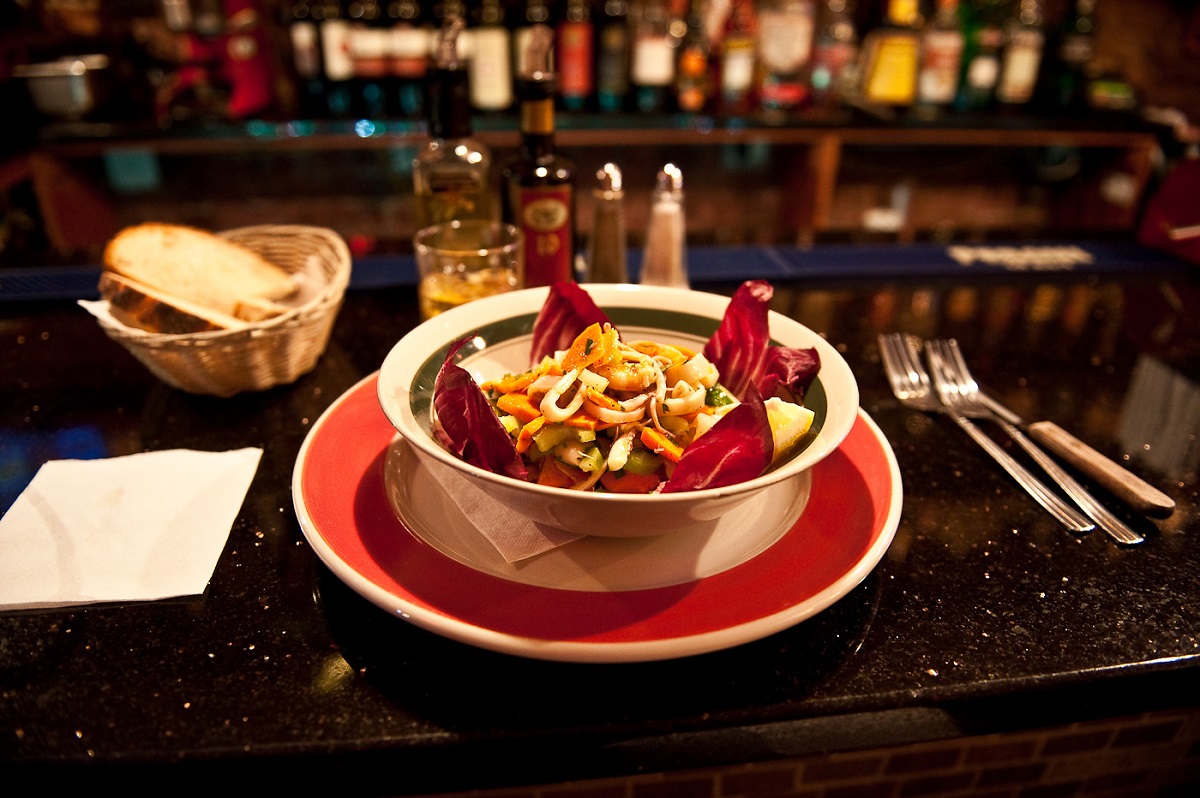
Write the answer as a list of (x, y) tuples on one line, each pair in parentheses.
[(1156, 754)]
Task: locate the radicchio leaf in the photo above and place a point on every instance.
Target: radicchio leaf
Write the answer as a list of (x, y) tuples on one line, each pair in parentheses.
[(466, 423), (738, 347), (741, 350), (737, 448), (567, 310), (791, 368)]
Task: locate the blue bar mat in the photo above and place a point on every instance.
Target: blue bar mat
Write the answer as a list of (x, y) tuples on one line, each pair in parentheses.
[(735, 264)]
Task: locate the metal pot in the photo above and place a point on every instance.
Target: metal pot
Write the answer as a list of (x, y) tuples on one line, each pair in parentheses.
[(69, 88)]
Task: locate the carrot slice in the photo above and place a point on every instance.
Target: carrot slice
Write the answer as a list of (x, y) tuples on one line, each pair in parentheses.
[(593, 345), (658, 443), (525, 436), (629, 482), (558, 475), (519, 406)]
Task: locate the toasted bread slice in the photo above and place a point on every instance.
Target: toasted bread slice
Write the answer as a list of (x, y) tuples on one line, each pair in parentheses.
[(196, 266), (145, 307)]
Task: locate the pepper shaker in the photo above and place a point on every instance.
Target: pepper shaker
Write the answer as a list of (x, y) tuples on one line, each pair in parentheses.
[(607, 246)]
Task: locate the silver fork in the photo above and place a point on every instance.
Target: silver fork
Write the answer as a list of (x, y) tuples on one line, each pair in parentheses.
[(911, 385), (952, 377)]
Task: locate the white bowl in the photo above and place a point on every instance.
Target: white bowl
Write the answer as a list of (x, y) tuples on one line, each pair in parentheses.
[(503, 325)]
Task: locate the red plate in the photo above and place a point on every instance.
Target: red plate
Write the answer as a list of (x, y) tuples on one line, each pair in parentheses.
[(343, 509)]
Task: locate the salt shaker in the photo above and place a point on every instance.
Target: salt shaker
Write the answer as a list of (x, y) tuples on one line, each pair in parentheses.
[(607, 246), (665, 260)]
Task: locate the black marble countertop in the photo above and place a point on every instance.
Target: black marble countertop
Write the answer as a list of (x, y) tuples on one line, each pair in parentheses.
[(983, 616)]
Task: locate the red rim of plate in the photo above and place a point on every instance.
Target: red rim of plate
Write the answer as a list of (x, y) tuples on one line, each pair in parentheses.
[(343, 510)]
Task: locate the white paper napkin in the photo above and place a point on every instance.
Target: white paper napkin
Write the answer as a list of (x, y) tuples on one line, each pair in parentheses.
[(134, 528), (512, 532)]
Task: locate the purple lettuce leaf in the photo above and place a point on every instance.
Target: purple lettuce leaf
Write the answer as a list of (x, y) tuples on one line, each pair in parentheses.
[(791, 368), (741, 350), (737, 448), (568, 310), (466, 423)]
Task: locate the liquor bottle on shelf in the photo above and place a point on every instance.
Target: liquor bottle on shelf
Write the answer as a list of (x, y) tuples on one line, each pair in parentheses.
[(835, 54), (737, 59), (538, 184), (368, 42), (490, 69), (339, 67), (942, 44), (304, 34), (693, 67), (575, 48), (891, 55), (785, 41), (607, 246), (1024, 42), (652, 65), (983, 36), (1067, 87), (536, 12), (612, 55), (410, 48), (451, 174)]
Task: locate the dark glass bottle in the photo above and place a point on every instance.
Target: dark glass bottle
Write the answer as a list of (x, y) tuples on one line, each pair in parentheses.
[(451, 173), (1076, 45), (368, 43), (612, 56), (693, 66), (335, 53), (538, 184), (983, 35), (652, 65), (575, 52), (738, 58), (490, 70), (1024, 42), (410, 36), (304, 33), (835, 54)]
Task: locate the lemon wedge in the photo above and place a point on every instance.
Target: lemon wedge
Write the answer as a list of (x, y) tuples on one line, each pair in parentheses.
[(789, 422)]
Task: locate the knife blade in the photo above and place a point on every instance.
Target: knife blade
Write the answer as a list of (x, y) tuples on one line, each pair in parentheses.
[(1119, 481)]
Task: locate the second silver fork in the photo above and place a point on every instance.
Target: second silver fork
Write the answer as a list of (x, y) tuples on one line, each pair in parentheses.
[(951, 374), (911, 384)]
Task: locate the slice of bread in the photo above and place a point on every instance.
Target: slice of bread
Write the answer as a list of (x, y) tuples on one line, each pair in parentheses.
[(145, 307), (198, 267)]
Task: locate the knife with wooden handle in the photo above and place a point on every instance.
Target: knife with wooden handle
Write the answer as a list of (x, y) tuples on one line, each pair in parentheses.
[(1119, 481)]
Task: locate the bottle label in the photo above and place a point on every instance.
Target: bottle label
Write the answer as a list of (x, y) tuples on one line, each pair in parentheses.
[(893, 77), (306, 49), (490, 69), (785, 40), (653, 61), (575, 58), (335, 40), (941, 57), (737, 69), (1022, 58), (544, 214), (410, 51), (982, 72)]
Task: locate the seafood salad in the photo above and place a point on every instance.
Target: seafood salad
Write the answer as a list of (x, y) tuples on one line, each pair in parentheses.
[(596, 412)]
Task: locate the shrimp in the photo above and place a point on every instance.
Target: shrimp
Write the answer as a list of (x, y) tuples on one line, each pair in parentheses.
[(631, 373)]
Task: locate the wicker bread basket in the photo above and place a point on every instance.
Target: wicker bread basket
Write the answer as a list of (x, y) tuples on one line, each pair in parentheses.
[(261, 355)]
